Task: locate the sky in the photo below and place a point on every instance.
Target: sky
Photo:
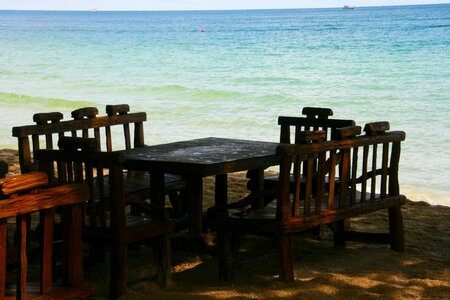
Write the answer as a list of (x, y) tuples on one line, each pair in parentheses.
[(195, 4)]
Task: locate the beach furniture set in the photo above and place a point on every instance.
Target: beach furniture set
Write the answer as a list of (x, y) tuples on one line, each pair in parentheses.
[(328, 172)]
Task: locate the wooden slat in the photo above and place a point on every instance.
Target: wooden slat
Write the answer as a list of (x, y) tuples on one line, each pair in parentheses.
[(22, 261), (364, 173), (320, 182), (24, 153), (47, 219), (139, 134), (283, 198), (297, 186), (44, 118), (85, 113), (384, 168), (98, 138), (317, 112), (344, 176), (331, 185), (373, 179), (285, 134), (376, 128), (67, 126), (309, 185), (44, 200), (108, 138), (127, 136), (330, 123), (24, 182), (354, 174), (394, 188), (3, 253), (117, 109), (72, 242), (389, 137)]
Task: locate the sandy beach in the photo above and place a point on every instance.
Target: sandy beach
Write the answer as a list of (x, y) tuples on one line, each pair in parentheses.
[(322, 271)]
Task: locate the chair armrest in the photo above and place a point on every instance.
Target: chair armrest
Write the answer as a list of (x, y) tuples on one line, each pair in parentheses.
[(22, 183)]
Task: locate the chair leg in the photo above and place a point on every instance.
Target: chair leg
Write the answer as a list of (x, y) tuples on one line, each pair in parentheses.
[(163, 260), (236, 240), (96, 253), (339, 233), (285, 259), (224, 255), (396, 229), (118, 270), (179, 209)]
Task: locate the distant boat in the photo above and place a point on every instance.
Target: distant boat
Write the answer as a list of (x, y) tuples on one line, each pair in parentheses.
[(94, 10), (348, 7)]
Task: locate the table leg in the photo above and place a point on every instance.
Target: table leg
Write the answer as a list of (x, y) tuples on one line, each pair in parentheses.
[(157, 196), (223, 236), (195, 205), (255, 185), (221, 191)]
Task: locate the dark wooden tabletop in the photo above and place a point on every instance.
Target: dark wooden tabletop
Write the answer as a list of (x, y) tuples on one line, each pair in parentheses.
[(205, 157)]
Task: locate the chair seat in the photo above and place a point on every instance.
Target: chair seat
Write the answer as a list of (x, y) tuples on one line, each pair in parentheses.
[(138, 183), (145, 224), (268, 213), (272, 180)]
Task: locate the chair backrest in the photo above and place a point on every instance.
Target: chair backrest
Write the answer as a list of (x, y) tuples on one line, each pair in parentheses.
[(79, 161), (23, 195), (368, 172), (316, 119), (85, 123)]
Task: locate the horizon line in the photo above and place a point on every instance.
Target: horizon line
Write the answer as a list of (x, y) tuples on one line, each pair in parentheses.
[(230, 9)]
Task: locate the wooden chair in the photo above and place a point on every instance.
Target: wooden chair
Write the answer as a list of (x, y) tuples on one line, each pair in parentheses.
[(136, 182), (107, 219), (315, 127), (118, 122), (22, 195), (317, 118), (368, 182)]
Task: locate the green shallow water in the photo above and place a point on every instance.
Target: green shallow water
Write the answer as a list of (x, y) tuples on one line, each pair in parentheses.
[(245, 69)]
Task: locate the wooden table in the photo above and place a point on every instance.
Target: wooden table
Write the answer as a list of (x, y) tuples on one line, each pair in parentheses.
[(199, 158)]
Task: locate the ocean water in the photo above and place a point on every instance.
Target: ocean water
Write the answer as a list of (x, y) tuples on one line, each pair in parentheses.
[(232, 73)]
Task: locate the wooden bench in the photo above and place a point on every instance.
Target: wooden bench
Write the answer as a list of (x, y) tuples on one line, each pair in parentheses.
[(368, 182), (21, 195), (106, 218)]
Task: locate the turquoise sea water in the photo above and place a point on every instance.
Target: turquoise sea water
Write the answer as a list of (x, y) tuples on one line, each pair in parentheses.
[(231, 73)]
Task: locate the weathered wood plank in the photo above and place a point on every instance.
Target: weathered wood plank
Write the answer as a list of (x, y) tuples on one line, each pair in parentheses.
[(46, 199), (67, 126), (24, 182)]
